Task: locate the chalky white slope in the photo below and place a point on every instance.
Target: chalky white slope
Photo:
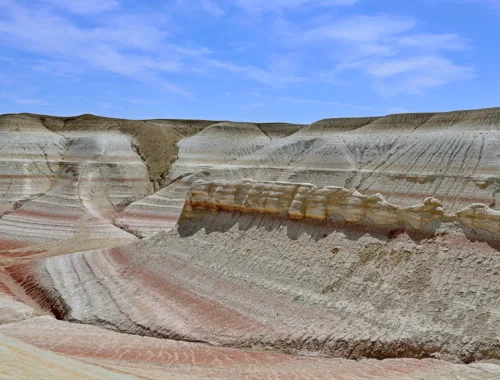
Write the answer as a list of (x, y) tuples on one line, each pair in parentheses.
[(357, 238), (102, 165), (215, 145), (30, 155), (98, 174), (452, 156)]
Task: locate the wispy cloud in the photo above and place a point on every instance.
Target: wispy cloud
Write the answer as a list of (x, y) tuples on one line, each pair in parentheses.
[(134, 46), (277, 5), (252, 106), (413, 76), (221, 7), (432, 41), (68, 70), (272, 76), (325, 52), (360, 29), (212, 8), (84, 6), (144, 101), (326, 103), (37, 102), (386, 49), (493, 3)]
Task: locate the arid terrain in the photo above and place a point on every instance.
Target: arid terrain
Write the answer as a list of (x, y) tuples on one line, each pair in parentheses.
[(356, 248)]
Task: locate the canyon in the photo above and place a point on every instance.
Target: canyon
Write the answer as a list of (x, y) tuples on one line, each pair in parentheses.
[(353, 248)]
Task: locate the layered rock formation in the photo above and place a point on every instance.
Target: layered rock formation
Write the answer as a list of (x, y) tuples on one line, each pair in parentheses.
[(216, 145), (64, 189), (348, 275), (406, 158), (347, 238), (41, 347), (97, 175), (451, 156), (30, 155)]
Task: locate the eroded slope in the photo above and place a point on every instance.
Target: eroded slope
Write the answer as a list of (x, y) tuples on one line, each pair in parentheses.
[(297, 268), (406, 158), (390, 250)]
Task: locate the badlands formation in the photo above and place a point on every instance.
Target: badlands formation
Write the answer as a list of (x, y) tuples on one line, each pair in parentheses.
[(363, 248)]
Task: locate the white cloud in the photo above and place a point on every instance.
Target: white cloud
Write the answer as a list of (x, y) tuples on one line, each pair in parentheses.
[(37, 102), (252, 106), (392, 67), (415, 76), (212, 8), (276, 75), (326, 103), (60, 68), (144, 101), (220, 7), (84, 6), (276, 5), (495, 3), (433, 41), (361, 29), (386, 49), (134, 46)]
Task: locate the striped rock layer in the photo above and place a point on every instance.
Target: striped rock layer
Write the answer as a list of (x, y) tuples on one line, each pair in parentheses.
[(292, 267), (44, 347), (97, 175), (66, 180), (406, 158), (355, 238), (337, 204), (30, 156)]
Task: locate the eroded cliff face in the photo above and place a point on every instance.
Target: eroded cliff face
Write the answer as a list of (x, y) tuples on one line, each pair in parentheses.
[(337, 205), (353, 238), (292, 267), (30, 157), (299, 201), (405, 158), (64, 181)]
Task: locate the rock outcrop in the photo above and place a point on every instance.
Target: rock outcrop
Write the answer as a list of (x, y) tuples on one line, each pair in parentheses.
[(405, 158), (30, 156), (66, 180), (291, 267), (186, 249)]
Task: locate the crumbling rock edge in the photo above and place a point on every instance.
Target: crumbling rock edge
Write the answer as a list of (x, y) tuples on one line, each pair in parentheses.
[(299, 201)]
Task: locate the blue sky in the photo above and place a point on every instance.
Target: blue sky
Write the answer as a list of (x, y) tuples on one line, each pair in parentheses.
[(255, 60)]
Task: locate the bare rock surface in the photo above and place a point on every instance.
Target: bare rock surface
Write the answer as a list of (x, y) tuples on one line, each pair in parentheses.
[(13, 308), (25, 362), (194, 249), (67, 179), (406, 158), (292, 267), (62, 350), (30, 156)]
